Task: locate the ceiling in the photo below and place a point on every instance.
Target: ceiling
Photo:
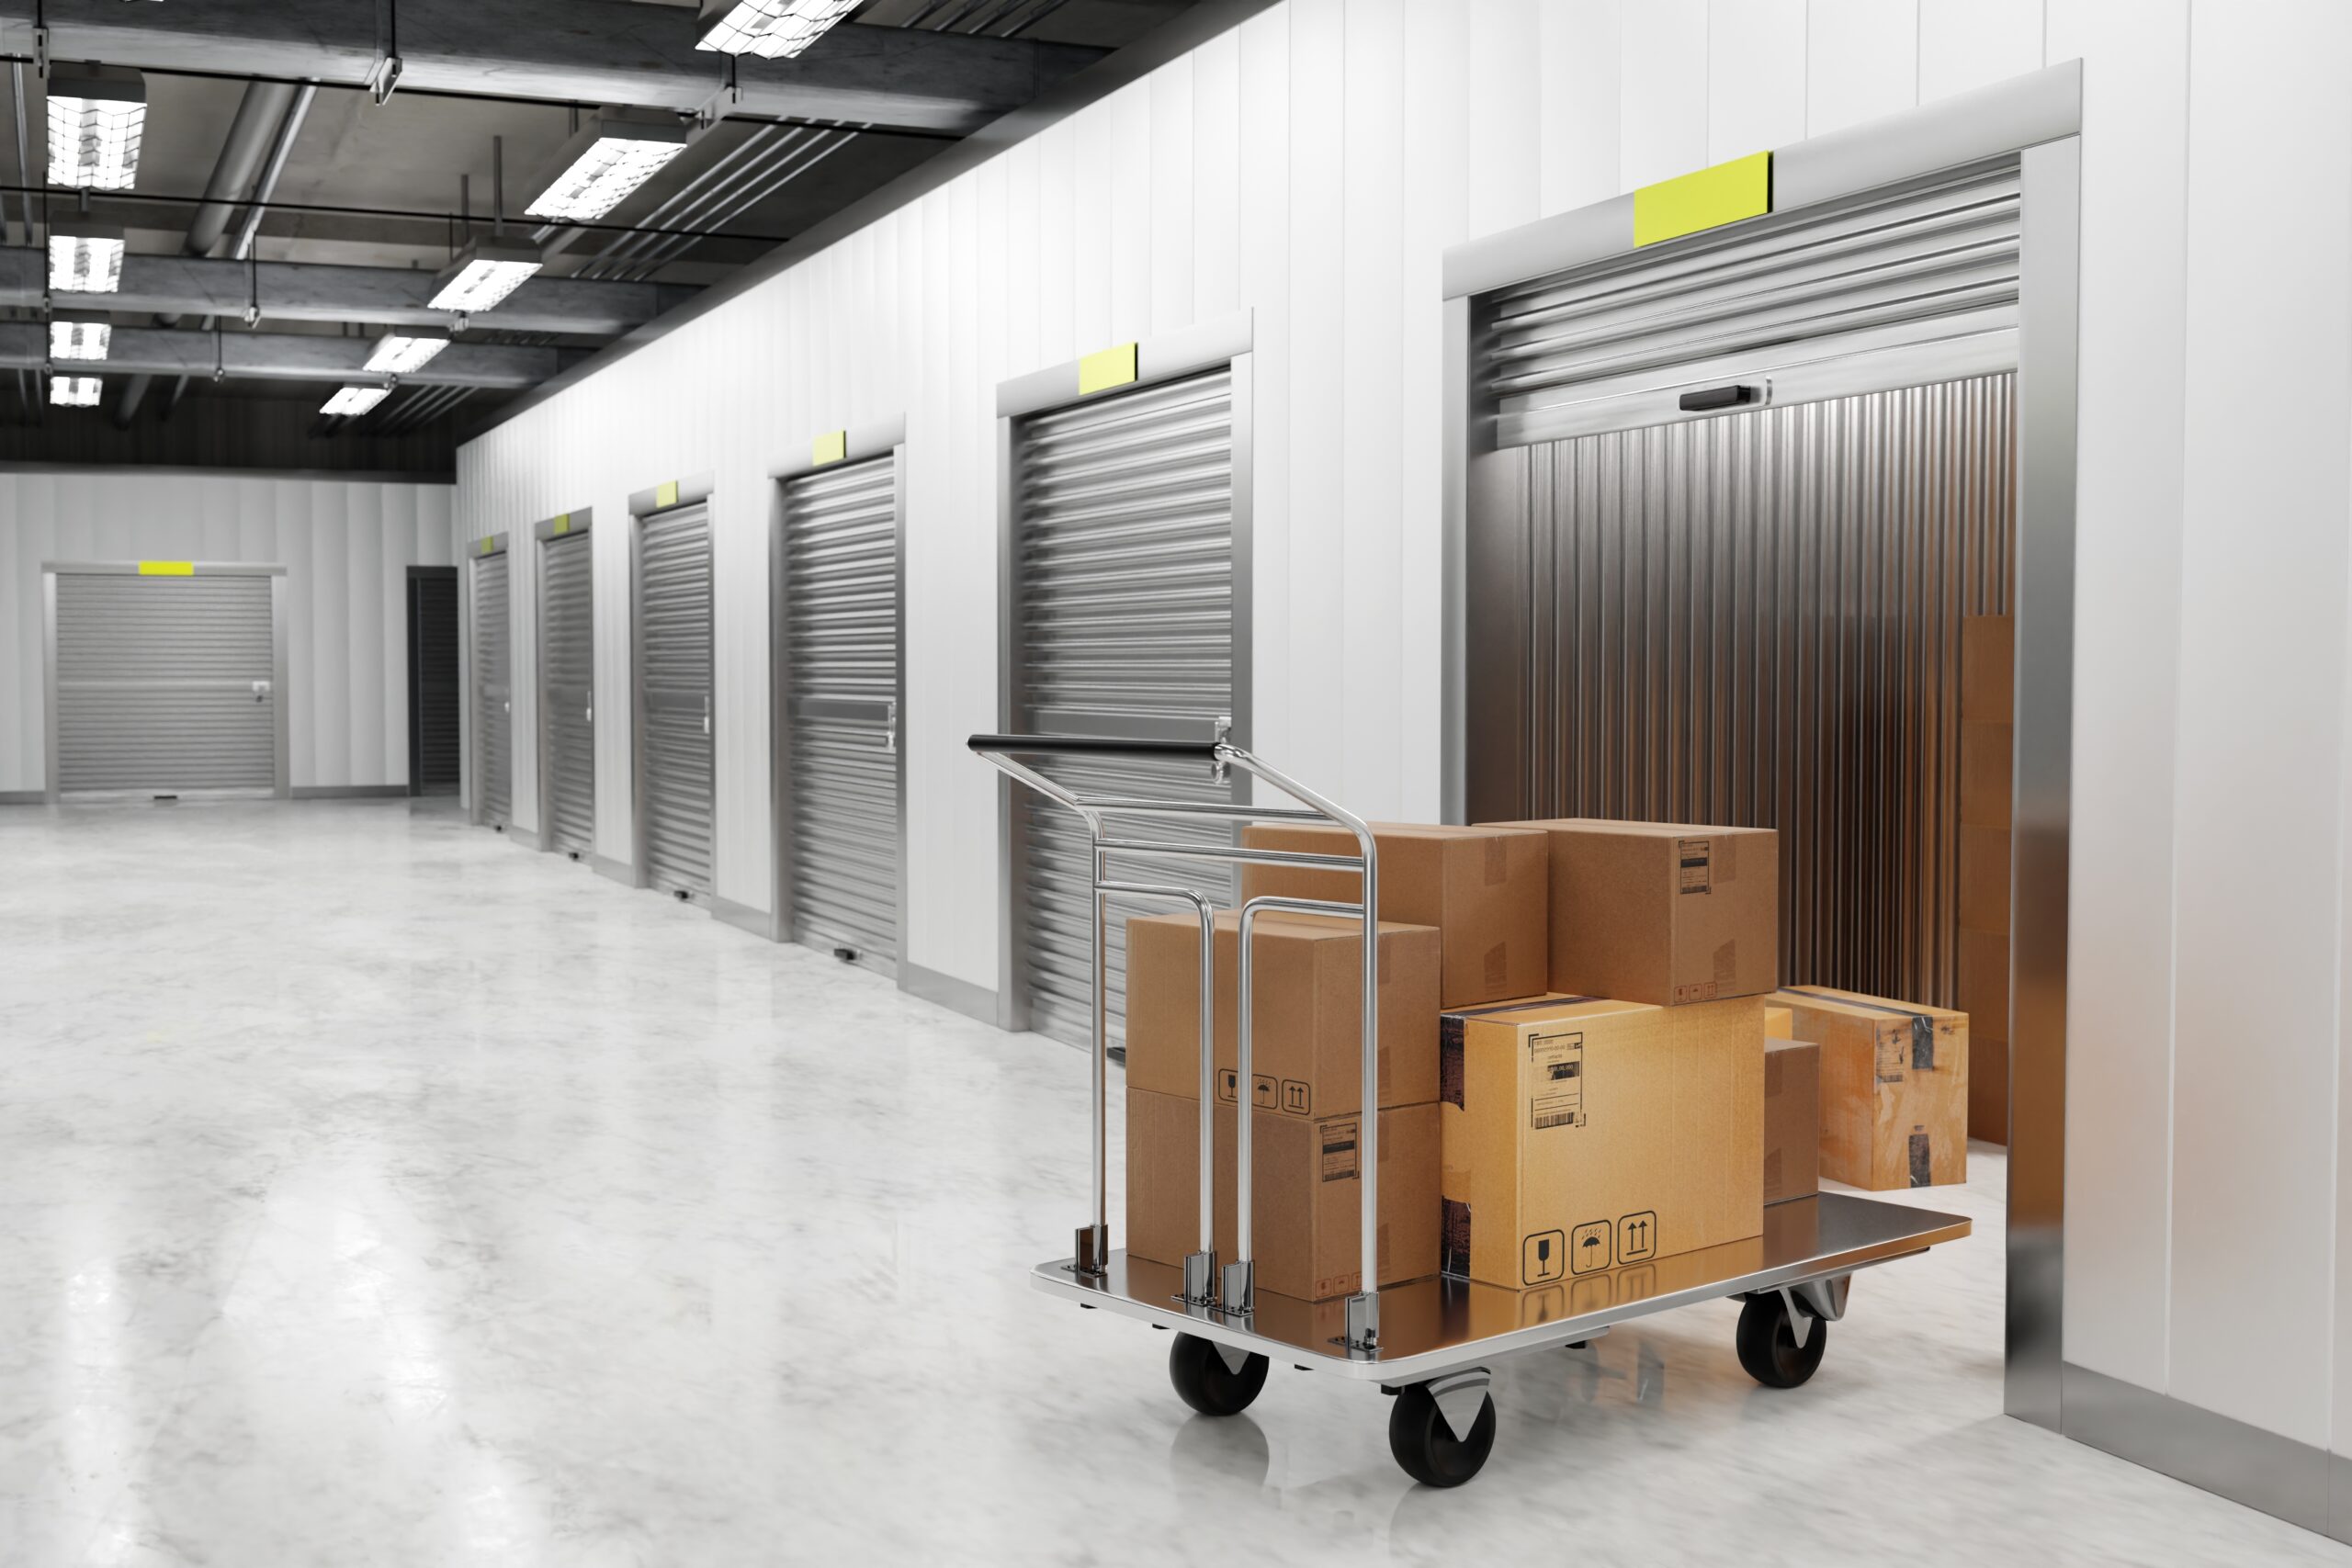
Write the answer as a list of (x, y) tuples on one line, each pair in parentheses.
[(490, 90)]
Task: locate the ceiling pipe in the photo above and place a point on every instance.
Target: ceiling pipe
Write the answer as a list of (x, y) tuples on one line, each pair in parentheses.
[(723, 178), (667, 250)]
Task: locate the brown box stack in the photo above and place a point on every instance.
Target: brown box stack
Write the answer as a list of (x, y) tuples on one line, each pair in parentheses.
[(1582, 1135), (1987, 715), (1662, 913), (1791, 1118), (1894, 1087), (1484, 888)]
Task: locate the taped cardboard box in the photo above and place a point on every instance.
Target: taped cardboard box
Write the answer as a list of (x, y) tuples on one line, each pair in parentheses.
[(1893, 1088), (1307, 980), (1306, 1189), (1662, 913), (1582, 1135), (1485, 890), (1792, 1120)]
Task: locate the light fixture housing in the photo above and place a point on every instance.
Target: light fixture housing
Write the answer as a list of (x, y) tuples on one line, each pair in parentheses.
[(405, 350), (352, 402), (85, 258), (74, 391), (618, 150), (773, 29), (485, 273), (79, 336), (97, 115)]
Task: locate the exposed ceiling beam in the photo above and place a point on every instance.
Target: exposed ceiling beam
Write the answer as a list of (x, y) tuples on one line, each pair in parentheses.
[(277, 356), (318, 291), (592, 52)]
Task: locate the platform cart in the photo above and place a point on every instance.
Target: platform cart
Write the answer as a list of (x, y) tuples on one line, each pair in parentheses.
[(1430, 1342)]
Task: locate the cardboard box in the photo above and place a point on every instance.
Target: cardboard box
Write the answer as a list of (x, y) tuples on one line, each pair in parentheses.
[(1307, 1193), (1984, 878), (1985, 997), (1485, 890), (1777, 1020), (1988, 669), (1662, 913), (1792, 1120), (1306, 1042), (1986, 752), (1893, 1088), (1582, 1135)]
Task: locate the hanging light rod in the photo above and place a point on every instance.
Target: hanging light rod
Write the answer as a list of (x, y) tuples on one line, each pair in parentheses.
[(773, 29), (97, 115)]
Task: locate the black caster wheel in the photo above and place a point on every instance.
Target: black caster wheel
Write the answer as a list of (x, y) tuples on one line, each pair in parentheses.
[(1206, 1383), (1768, 1343), (1426, 1447)]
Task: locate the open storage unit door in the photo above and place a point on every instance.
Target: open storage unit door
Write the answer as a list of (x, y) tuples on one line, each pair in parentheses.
[(840, 834), (567, 687), (675, 756), (493, 665), (165, 679), (1745, 493), (1125, 613), (436, 743)]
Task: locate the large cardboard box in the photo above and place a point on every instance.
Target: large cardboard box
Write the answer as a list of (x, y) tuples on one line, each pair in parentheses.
[(1662, 913), (1306, 1199), (1582, 1135), (1984, 878), (1486, 889), (1792, 1120), (1893, 1088), (1986, 758), (1307, 1039)]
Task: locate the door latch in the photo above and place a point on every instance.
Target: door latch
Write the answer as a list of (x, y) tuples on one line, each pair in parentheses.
[(261, 691), (705, 712), (890, 729)]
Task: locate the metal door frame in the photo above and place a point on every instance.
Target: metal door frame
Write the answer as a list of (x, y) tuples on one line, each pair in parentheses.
[(483, 548), (644, 505), (562, 525), (861, 444), (282, 786), (1228, 343), (2036, 118)]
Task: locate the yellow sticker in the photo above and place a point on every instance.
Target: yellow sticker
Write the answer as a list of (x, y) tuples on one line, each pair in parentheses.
[(1111, 368), (1725, 193), (563, 523), (829, 448), (666, 496), (167, 569), (485, 547)]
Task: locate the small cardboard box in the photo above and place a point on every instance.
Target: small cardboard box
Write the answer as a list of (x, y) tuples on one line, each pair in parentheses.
[(1582, 1135), (1306, 1200), (1307, 1041), (1486, 889), (1792, 1120), (1893, 1088), (1662, 913)]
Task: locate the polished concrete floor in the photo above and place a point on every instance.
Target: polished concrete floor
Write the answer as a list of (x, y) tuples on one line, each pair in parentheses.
[(373, 1191)]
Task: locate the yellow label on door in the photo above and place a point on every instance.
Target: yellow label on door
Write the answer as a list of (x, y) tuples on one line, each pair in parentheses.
[(486, 545), (167, 569), (829, 448), (563, 523), (666, 496), (1111, 368), (1708, 200)]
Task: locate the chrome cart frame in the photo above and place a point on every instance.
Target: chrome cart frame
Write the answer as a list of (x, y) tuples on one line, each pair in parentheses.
[(1430, 1340)]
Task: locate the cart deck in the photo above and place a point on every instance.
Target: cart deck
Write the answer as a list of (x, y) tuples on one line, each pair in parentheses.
[(1432, 1327)]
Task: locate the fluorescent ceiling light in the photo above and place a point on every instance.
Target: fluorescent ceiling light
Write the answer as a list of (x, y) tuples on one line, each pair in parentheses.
[(397, 354), (773, 30), (85, 258), (485, 273), (595, 172), (97, 115), (79, 337), (73, 391), (355, 401)]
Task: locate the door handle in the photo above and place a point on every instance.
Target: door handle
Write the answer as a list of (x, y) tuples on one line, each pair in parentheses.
[(589, 714), (261, 691), (705, 712), (890, 729)]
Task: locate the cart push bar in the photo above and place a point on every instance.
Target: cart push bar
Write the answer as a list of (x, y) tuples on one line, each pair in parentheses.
[(1232, 1292)]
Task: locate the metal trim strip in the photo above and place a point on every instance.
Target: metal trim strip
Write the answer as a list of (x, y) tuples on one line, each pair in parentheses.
[(877, 438), (1171, 357), (564, 525), (2271, 1473), (671, 495)]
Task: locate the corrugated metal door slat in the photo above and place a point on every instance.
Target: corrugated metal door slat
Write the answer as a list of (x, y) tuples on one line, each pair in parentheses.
[(493, 689), (1124, 585), (674, 688), (840, 656), (156, 684), (567, 656)]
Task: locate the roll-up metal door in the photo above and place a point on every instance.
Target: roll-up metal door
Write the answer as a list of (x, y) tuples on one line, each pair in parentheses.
[(677, 772), (841, 675), (164, 683), (494, 693), (1122, 604), (568, 698)]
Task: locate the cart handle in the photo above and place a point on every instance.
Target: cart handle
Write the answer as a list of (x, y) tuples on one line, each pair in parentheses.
[(1093, 746)]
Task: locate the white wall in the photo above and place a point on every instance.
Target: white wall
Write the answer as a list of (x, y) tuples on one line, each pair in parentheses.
[(1313, 166), (346, 545)]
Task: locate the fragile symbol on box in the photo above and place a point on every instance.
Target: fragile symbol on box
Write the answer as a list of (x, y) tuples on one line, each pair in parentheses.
[(1543, 1256)]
